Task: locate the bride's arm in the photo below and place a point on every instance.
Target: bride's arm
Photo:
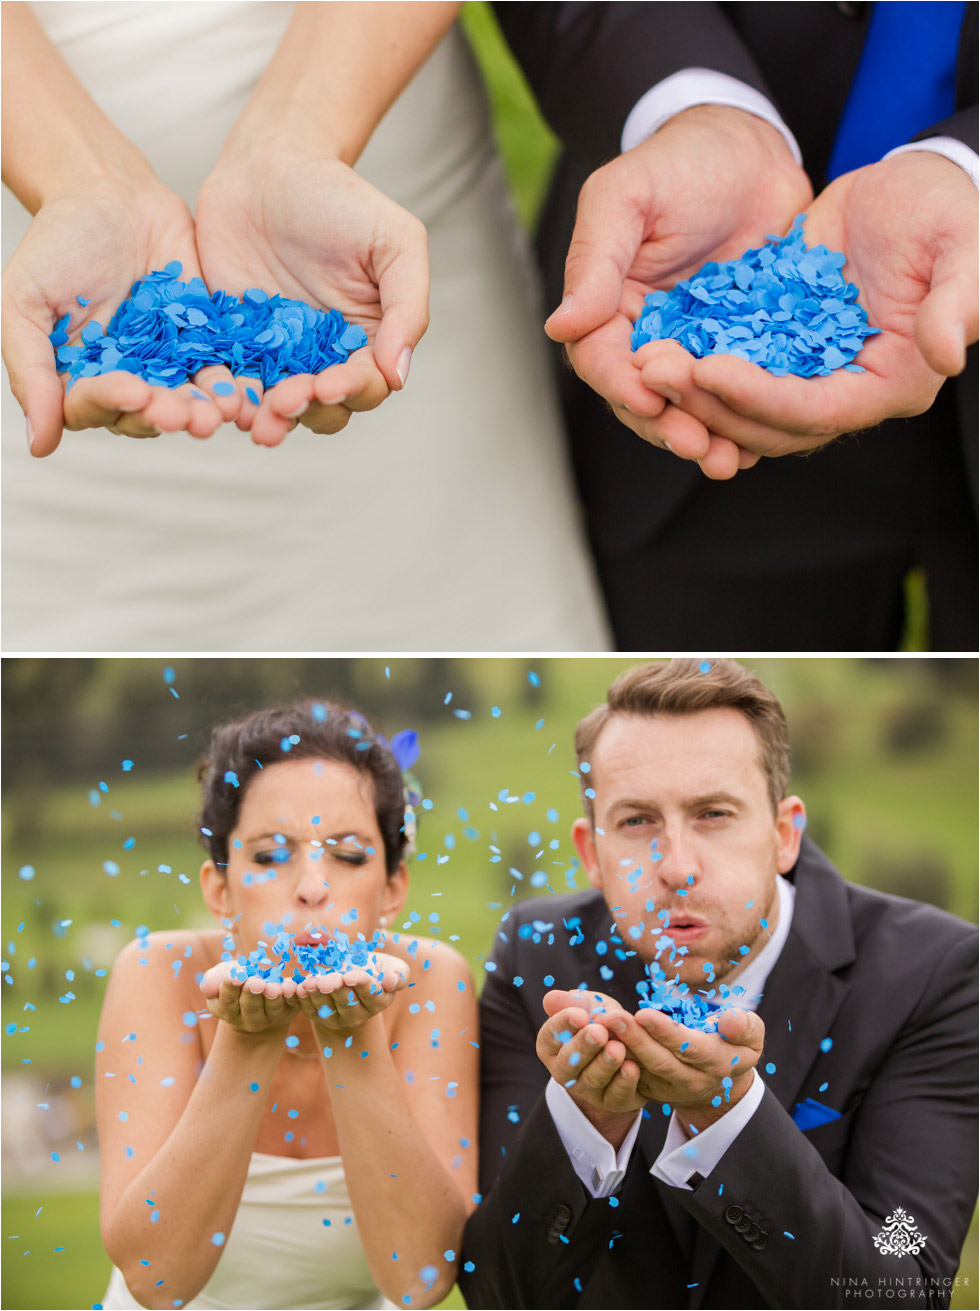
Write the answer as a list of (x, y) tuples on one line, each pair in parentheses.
[(175, 1143), (102, 220), (283, 209), (335, 72), (405, 1111)]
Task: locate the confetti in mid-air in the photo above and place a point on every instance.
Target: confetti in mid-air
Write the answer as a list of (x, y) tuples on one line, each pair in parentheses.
[(329, 952)]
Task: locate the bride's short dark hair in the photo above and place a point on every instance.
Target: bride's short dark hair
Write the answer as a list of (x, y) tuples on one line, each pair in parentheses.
[(323, 729)]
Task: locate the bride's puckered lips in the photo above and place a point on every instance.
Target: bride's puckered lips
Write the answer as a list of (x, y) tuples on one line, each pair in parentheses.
[(311, 938)]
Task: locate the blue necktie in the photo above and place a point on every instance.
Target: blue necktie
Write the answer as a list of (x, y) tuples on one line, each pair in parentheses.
[(905, 81)]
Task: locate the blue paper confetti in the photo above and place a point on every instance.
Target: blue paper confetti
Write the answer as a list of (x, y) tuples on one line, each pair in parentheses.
[(288, 959), (166, 330), (783, 306)]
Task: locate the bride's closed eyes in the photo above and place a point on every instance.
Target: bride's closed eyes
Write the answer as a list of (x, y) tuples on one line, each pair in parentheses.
[(351, 854)]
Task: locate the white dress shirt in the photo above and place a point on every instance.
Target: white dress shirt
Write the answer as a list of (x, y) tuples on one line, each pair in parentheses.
[(704, 86), (602, 1169)]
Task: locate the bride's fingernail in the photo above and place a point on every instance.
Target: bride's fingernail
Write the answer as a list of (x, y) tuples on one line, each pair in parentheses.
[(298, 414), (403, 365), (30, 437)]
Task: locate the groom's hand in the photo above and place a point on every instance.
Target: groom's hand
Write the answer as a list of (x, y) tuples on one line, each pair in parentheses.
[(710, 184), (908, 226), (580, 1053), (699, 1075)]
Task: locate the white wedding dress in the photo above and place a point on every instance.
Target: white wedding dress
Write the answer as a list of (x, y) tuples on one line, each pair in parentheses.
[(294, 1244), (444, 520)]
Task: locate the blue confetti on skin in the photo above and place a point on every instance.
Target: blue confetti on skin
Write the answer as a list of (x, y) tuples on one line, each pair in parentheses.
[(781, 306), (167, 330), (252, 395), (218, 1239)]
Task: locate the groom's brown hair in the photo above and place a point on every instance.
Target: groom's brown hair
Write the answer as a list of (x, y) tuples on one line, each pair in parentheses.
[(683, 687)]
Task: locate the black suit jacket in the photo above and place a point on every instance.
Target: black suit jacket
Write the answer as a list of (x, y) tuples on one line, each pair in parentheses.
[(890, 981), (588, 64)]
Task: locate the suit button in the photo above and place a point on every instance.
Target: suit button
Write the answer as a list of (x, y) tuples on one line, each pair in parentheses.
[(745, 1224), (734, 1214), (761, 1242), (559, 1222), (752, 1233)]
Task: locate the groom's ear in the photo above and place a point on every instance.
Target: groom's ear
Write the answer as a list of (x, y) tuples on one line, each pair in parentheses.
[(583, 835)]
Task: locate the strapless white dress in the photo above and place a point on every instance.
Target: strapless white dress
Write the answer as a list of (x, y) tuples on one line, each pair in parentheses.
[(281, 1252), (444, 520)]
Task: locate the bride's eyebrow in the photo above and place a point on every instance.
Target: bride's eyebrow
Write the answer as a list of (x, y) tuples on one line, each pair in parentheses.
[(280, 838)]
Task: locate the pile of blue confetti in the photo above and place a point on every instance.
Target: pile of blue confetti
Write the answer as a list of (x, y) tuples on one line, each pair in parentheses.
[(166, 330), (695, 1010), (784, 307), (699, 1009), (289, 959)]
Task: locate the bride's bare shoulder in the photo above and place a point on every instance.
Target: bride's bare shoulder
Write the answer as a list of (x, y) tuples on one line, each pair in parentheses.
[(435, 963), (179, 954)]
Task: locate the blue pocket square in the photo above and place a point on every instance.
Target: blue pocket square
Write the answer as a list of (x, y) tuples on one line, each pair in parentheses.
[(810, 1114)]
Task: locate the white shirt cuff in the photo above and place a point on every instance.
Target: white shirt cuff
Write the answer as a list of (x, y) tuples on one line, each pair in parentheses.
[(600, 1168), (957, 151), (698, 86), (683, 1156)]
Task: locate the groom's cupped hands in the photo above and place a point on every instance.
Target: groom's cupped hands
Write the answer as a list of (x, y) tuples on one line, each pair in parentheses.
[(714, 182), (708, 185), (613, 1062), (908, 226)]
